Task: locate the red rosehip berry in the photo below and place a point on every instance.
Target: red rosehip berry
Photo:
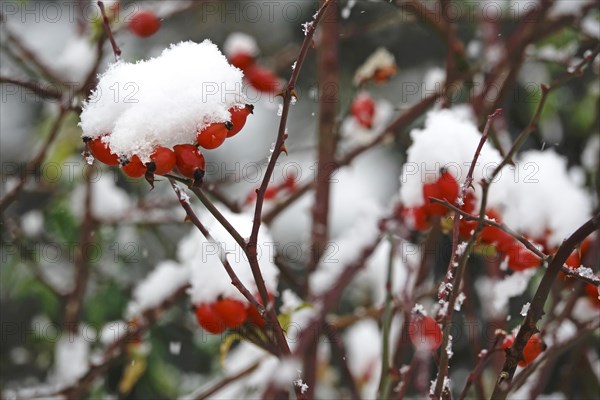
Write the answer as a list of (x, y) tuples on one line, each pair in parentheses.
[(432, 189), (163, 161), (425, 333), (238, 118), (213, 135), (144, 23), (416, 217), (520, 258), (101, 151), (134, 168), (448, 187), (534, 347), (492, 235), (232, 312), (209, 319), (592, 294), (363, 109), (190, 161), (241, 60), (262, 79)]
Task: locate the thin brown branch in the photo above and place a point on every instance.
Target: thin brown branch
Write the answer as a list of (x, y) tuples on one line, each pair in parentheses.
[(108, 31), (36, 87), (74, 300), (227, 380), (455, 273)]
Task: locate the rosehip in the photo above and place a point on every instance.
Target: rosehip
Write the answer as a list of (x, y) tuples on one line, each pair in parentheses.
[(433, 190), (101, 152), (520, 258), (190, 161), (241, 60), (254, 316), (262, 79), (448, 187), (492, 235), (134, 168), (209, 319), (232, 312), (238, 118), (213, 135), (363, 109), (417, 217), (425, 333), (592, 294), (535, 345), (383, 74), (144, 23), (163, 161)]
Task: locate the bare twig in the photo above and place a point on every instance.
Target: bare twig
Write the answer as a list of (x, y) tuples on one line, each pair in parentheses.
[(108, 31)]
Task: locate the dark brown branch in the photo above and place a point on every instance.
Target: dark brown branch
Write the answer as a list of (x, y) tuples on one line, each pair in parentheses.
[(226, 381), (108, 31), (36, 87), (456, 273), (536, 309)]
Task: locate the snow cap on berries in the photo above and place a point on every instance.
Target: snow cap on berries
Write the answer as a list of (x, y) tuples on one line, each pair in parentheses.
[(163, 101)]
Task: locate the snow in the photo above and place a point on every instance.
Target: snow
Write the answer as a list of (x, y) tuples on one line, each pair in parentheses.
[(535, 205), (162, 101), (448, 140), (589, 156), (381, 58), (346, 249), (162, 282), (76, 60), (591, 26), (32, 223), (239, 42), (290, 301), (70, 358), (348, 9), (355, 134), (496, 293), (525, 309), (208, 276), (108, 201), (363, 345)]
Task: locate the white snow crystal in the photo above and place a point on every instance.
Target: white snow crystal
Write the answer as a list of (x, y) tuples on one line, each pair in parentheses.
[(162, 101), (108, 201), (163, 281), (32, 223), (525, 309)]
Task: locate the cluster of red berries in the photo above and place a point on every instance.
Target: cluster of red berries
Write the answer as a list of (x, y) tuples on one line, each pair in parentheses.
[(261, 78), (534, 347), (188, 158), (144, 23), (424, 332), (226, 313), (446, 187), (363, 109)]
